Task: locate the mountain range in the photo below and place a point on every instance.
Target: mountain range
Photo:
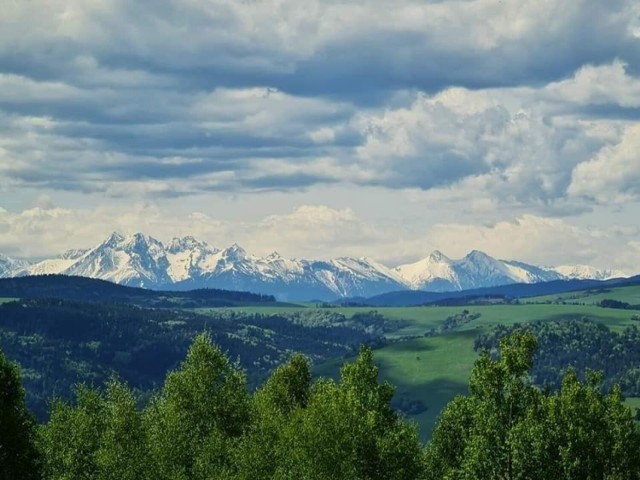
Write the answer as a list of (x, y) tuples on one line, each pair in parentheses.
[(186, 263)]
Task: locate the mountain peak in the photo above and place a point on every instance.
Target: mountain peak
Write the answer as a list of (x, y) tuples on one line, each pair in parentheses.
[(140, 260), (140, 242), (235, 250), (438, 256), (188, 242), (114, 239), (477, 254)]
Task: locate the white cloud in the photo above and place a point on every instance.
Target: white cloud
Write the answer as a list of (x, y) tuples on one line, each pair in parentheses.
[(479, 110), (472, 139), (530, 238), (613, 174), (608, 84)]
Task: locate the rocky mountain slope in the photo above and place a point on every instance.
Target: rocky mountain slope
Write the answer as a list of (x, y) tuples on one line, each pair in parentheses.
[(186, 263)]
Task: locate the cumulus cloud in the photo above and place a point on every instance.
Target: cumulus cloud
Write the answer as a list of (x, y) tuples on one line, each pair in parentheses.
[(476, 140), (546, 241), (493, 108), (608, 84), (613, 174)]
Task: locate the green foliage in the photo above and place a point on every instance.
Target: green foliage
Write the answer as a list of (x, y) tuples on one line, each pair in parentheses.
[(18, 455), (453, 322), (265, 449), (349, 430), (201, 410), (581, 345), (204, 425), (507, 428), (610, 303), (98, 437), (71, 439), (122, 453), (59, 343)]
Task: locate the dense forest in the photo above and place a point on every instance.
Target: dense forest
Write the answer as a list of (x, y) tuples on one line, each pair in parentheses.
[(59, 343), (93, 290), (203, 424), (580, 345)]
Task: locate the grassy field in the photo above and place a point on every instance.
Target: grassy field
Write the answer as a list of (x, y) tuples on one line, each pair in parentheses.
[(633, 402), (435, 369), (421, 319), (432, 370), (589, 297)]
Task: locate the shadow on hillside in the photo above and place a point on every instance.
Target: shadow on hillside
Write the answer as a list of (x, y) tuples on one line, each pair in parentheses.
[(435, 395), (415, 345)]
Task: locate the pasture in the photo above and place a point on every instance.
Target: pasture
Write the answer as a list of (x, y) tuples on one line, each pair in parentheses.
[(434, 369), (629, 295)]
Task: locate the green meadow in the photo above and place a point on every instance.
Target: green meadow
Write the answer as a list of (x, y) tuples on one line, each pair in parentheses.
[(435, 369), (629, 295)]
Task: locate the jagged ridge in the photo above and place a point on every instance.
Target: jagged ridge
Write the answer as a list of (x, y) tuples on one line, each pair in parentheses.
[(186, 263)]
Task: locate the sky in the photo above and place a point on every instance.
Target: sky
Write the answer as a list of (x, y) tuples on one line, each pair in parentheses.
[(316, 128)]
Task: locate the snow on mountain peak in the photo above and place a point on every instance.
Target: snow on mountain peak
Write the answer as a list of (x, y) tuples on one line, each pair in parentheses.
[(435, 269), (587, 271), (235, 251), (10, 267), (73, 254), (187, 243), (477, 256), (438, 256), (437, 272), (141, 260), (114, 239)]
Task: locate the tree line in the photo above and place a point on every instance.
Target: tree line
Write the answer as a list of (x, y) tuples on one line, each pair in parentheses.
[(581, 345), (61, 342), (204, 424)]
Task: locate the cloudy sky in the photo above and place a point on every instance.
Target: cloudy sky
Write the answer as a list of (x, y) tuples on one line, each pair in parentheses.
[(385, 128)]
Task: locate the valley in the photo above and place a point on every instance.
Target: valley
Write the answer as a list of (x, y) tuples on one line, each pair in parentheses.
[(435, 369), (426, 352)]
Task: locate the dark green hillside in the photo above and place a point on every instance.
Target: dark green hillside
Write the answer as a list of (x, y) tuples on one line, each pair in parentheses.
[(581, 345), (91, 290), (61, 342)]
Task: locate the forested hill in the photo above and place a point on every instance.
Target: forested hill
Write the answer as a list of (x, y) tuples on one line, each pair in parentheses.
[(59, 342), (90, 290)]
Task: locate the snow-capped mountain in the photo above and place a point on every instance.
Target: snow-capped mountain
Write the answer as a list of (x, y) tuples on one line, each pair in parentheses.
[(234, 268), (10, 266), (187, 263), (586, 271), (439, 273), (189, 257), (136, 260), (435, 272)]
